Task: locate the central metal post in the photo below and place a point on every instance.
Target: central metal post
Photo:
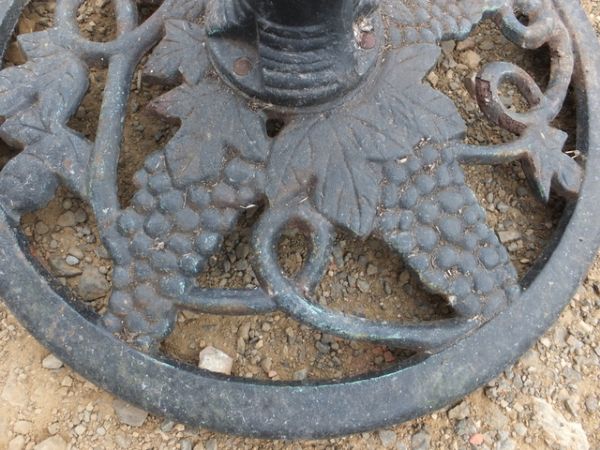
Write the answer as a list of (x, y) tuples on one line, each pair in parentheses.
[(307, 13), (295, 52)]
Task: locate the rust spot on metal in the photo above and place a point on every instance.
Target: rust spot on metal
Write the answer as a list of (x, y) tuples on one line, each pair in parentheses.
[(367, 40), (242, 66)]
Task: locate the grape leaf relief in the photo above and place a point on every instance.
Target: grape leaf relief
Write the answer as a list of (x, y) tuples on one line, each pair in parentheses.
[(213, 122), (337, 161), (36, 100), (180, 52)]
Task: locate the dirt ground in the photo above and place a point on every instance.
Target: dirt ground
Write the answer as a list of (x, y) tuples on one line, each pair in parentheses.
[(547, 400)]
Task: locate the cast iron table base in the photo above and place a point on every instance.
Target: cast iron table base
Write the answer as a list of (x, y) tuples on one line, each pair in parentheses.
[(361, 143)]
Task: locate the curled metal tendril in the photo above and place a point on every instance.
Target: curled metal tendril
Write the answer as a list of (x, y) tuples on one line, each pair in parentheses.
[(290, 297), (540, 145)]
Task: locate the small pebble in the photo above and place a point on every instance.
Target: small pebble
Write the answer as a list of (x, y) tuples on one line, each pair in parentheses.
[(467, 44), (477, 439), (66, 220), (80, 216), (420, 440), (471, 59), (433, 79), (51, 362), (387, 437), (129, 414), (509, 236), (266, 364), (363, 286), (41, 228), (502, 207), (591, 404), (322, 348), (372, 269), (300, 375), (215, 360), (506, 444), (77, 253), (92, 284), (167, 426), (448, 47), (211, 445), (185, 444), (60, 268), (72, 260), (460, 411)]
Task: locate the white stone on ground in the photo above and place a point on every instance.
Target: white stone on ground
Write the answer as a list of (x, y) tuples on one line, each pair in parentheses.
[(51, 362), (557, 429), (215, 360)]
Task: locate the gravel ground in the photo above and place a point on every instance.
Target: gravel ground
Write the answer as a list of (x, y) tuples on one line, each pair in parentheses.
[(549, 399)]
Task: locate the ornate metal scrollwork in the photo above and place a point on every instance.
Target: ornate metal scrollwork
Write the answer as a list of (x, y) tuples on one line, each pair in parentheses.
[(365, 144)]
